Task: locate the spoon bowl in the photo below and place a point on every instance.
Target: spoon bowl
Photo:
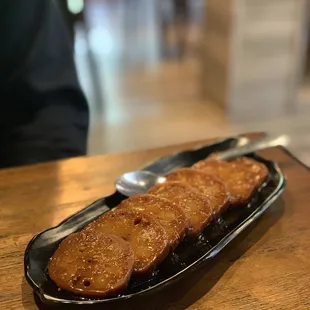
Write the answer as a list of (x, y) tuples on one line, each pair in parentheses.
[(137, 182)]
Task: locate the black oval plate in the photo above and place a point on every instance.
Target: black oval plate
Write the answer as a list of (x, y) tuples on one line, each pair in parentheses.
[(186, 257)]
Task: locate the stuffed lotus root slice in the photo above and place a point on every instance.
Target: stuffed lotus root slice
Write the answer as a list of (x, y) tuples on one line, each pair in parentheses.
[(196, 206), (145, 234), (171, 217), (206, 184), (92, 265)]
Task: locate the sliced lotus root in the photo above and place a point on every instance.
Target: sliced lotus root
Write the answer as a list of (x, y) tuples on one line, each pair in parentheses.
[(92, 264), (145, 234), (171, 217), (257, 169), (196, 207), (239, 179), (208, 185)]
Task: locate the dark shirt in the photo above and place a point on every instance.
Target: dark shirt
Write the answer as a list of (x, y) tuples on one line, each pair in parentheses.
[(43, 112)]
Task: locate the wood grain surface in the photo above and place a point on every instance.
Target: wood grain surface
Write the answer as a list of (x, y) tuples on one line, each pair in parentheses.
[(266, 267)]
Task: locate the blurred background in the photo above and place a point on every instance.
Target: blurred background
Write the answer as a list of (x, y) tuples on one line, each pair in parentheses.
[(159, 72)]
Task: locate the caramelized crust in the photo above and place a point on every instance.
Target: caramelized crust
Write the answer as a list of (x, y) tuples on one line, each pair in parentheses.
[(239, 176), (146, 236), (206, 184), (171, 217), (257, 169), (196, 207), (92, 264)]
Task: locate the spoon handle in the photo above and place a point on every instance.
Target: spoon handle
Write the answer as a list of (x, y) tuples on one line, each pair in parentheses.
[(251, 147)]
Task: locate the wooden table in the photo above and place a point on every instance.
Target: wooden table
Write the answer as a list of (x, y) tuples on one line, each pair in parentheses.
[(267, 267)]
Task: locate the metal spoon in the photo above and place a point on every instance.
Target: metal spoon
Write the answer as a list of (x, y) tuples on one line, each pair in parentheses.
[(138, 182), (251, 147)]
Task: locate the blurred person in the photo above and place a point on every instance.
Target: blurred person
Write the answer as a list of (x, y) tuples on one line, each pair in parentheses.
[(43, 112), (181, 9)]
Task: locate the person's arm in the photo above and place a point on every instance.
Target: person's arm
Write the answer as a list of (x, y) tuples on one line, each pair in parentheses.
[(43, 112)]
